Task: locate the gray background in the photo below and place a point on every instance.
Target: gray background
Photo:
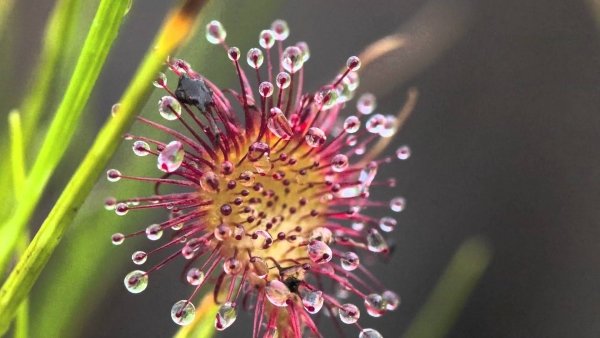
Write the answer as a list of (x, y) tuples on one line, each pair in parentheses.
[(505, 144)]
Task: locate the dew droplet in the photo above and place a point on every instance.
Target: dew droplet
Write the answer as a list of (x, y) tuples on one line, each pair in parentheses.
[(389, 127), (319, 252), (303, 46), (375, 124), (322, 234), (349, 313), (265, 89), (232, 266), (259, 267), (195, 276), (121, 209), (283, 80), (225, 316), (209, 182), (279, 125), (281, 29), (233, 53), (115, 109), (339, 163), (315, 137), (136, 281), (329, 98), (247, 178), (222, 232), (397, 204), (350, 261), (403, 153), (291, 59), (110, 203), (170, 158), (376, 242), (353, 63), (369, 333), (117, 238), (351, 124), (183, 312), (191, 247), (277, 293), (313, 301), (387, 224), (161, 81), (375, 305), (113, 175), (391, 299), (266, 39), (366, 103), (215, 33), (139, 257), (169, 108), (154, 232), (141, 148), (255, 58)]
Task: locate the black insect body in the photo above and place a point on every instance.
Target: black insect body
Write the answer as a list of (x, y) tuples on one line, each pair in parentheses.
[(194, 92)]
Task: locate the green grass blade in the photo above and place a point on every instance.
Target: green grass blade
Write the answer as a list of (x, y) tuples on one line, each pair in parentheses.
[(57, 31), (448, 298), (17, 159), (176, 28), (102, 33)]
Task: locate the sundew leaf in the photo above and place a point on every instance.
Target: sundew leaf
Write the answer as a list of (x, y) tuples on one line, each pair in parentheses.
[(175, 30)]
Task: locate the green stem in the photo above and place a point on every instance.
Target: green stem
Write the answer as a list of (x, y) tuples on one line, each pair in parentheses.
[(102, 33), (174, 31), (448, 298), (17, 159)]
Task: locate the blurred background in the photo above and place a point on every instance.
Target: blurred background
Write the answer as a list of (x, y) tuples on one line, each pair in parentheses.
[(504, 140)]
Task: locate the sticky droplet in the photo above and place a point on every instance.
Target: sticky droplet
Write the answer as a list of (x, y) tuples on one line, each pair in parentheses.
[(183, 312), (215, 33), (139, 257), (136, 281), (154, 232), (369, 333), (349, 313), (195, 276), (319, 252), (225, 316), (170, 158), (350, 261), (277, 293), (313, 301)]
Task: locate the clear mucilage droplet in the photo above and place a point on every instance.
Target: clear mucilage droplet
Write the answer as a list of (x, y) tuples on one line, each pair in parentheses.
[(255, 58), (315, 137), (183, 312), (397, 204), (319, 252), (195, 276), (113, 175), (391, 299), (232, 266), (375, 305), (349, 313), (259, 267), (215, 33), (225, 316), (339, 163), (136, 281), (141, 148), (387, 224), (369, 333), (366, 103), (139, 257), (351, 124), (171, 157), (118, 238), (403, 153), (329, 98), (154, 232), (283, 80), (376, 242), (279, 125), (161, 81), (313, 301), (169, 108), (350, 261), (266, 39), (291, 59), (277, 293), (265, 89), (281, 29)]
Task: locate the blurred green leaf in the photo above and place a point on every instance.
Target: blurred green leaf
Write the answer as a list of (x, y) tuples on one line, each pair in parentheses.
[(175, 30), (102, 33), (449, 296)]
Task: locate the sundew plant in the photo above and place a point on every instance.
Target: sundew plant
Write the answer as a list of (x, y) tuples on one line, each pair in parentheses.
[(266, 185)]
